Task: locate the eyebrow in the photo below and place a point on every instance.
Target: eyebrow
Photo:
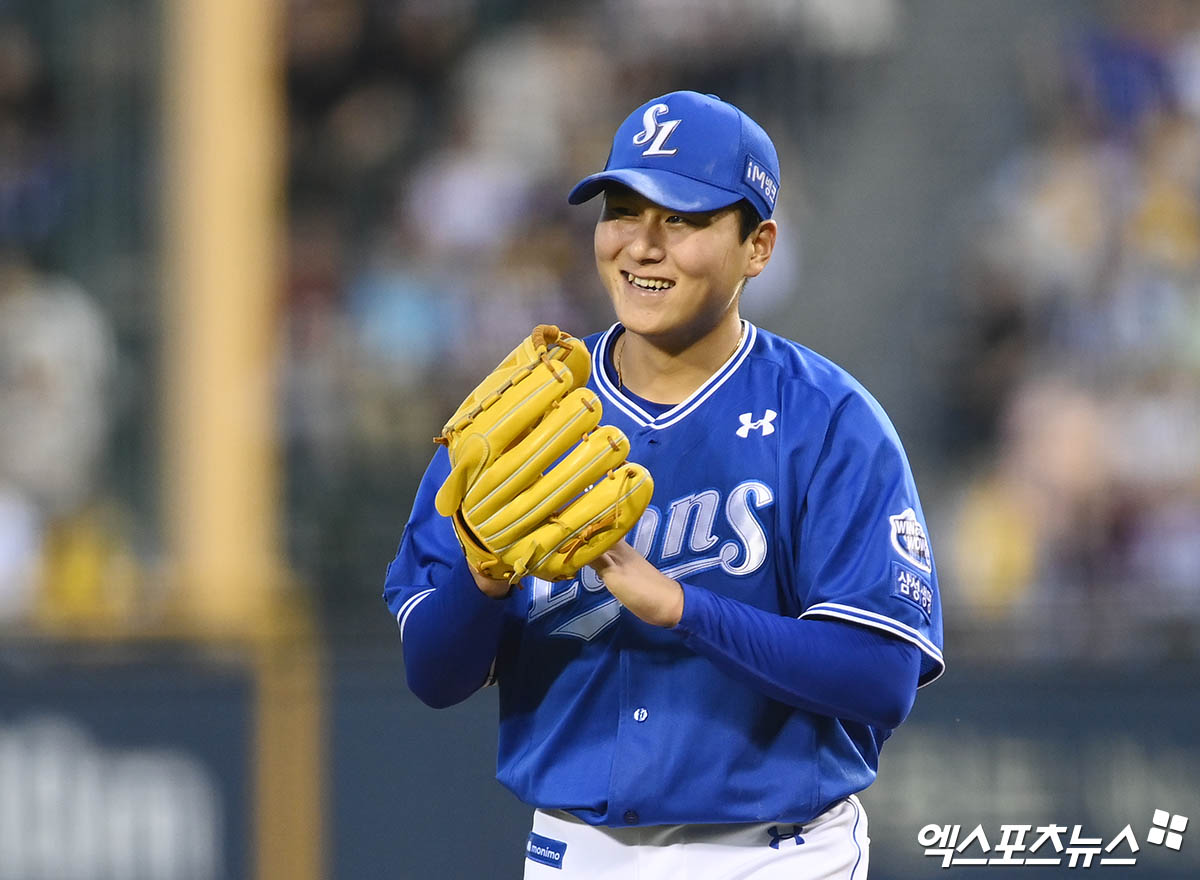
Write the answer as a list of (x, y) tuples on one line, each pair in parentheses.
[(619, 192)]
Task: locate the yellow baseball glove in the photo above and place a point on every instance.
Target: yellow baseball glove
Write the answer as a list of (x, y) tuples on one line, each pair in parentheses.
[(535, 486)]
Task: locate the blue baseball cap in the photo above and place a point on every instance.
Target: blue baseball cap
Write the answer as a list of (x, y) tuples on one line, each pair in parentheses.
[(690, 152)]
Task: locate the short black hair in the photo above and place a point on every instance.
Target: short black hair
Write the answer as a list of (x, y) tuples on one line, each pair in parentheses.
[(748, 218)]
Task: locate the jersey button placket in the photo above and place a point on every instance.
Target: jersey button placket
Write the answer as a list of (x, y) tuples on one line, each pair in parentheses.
[(631, 754)]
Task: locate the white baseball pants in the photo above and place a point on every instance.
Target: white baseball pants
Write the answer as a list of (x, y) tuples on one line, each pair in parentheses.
[(833, 846)]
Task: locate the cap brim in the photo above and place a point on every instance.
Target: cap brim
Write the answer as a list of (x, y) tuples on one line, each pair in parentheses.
[(664, 188)]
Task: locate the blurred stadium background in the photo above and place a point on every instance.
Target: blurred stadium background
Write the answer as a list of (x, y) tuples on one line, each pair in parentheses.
[(245, 248)]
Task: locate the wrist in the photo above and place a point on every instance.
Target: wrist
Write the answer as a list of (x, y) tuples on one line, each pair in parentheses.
[(490, 587), (674, 612)]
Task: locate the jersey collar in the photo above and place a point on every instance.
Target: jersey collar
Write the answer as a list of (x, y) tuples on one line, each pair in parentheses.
[(680, 411)]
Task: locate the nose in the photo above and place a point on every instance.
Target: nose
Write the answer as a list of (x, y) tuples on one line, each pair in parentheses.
[(646, 245)]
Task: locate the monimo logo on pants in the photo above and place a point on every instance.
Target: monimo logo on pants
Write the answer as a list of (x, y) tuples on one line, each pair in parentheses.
[(545, 850)]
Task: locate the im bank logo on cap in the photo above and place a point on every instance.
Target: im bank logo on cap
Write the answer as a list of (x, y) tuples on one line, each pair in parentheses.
[(758, 177)]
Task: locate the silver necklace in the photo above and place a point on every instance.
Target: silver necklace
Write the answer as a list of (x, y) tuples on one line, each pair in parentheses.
[(619, 350)]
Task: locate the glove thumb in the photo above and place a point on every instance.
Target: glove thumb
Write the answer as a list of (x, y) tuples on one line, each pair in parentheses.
[(471, 458)]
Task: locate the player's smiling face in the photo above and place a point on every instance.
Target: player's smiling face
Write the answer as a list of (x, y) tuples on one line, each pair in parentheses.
[(673, 276)]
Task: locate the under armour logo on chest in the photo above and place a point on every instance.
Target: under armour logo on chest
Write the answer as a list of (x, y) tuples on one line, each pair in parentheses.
[(656, 133), (778, 837), (766, 424)]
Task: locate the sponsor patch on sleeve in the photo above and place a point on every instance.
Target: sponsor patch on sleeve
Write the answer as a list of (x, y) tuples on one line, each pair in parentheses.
[(910, 541), (545, 850), (911, 587)]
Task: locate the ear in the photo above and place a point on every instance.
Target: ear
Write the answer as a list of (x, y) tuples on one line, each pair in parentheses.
[(762, 244)]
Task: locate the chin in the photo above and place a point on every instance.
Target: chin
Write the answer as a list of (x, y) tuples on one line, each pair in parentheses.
[(637, 321)]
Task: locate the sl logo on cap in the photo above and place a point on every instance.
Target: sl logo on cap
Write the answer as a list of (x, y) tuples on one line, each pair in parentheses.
[(658, 131)]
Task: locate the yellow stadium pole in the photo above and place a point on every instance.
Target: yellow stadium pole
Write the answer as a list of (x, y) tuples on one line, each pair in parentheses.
[(224, 149), (223, 197)]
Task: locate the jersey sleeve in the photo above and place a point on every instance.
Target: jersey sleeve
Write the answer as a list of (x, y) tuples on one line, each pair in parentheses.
[(449, 629), (863, 554)]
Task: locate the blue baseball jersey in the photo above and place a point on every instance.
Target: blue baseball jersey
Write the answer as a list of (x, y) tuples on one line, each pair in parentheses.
[(781, 486)]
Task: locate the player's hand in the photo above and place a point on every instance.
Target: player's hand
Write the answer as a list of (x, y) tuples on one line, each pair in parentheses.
[(639, 586), (491, 587)]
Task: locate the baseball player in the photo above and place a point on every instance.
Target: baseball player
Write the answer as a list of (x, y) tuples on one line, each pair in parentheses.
[(705, 698)]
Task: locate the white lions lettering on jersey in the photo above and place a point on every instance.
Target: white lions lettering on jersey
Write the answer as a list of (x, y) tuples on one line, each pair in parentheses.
[(741, 549)]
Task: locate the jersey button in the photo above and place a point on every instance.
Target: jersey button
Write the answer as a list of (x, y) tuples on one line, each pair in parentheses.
[(630, 817), (640, 714)]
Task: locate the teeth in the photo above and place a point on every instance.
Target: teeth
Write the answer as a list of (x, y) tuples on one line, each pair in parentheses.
[(648, 283)]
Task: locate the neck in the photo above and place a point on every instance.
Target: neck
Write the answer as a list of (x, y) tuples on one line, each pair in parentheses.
[(665, 374)]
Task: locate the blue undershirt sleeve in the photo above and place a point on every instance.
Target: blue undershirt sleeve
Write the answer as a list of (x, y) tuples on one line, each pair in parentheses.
[(828, 667), (450, 630), (450, 638)]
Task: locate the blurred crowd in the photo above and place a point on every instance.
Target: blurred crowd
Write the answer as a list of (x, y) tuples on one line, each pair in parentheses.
[(1077, 405), (430, 147), (64, 550)]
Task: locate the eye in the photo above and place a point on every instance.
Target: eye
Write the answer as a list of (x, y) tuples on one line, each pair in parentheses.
[(617, 211), (696, 221)]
